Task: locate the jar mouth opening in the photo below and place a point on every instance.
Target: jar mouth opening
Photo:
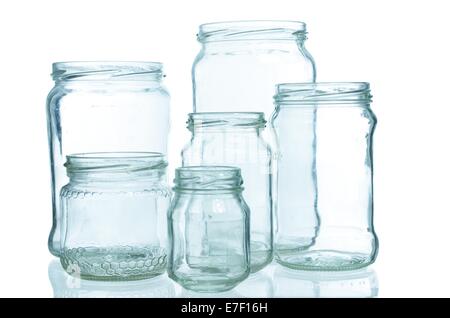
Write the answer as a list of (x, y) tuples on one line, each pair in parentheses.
[(115, 163), (107, 70), (208, 178), (116, 155), (323, 93), (226, 119), (251, 30)]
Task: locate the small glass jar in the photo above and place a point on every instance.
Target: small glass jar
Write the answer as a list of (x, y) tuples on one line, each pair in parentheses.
[(234, 139), (208, 229), (325, 201), (114, 216), (103, 107)]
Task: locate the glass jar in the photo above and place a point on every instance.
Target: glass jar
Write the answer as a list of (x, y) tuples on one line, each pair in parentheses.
[(234, 139), (208, 229), (114, 216), (325, 204), (241, 61), (103, 107)]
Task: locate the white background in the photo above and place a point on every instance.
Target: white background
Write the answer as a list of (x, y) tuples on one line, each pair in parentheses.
[(400, 47)]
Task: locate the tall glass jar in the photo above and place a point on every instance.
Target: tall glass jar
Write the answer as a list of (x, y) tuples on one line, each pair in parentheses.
[(114, 216), (103, 107), (234, 139), (208, 229), (325, 212)]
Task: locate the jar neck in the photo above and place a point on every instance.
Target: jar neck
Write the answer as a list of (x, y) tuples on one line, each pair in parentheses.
[(96, 73), (118, 167), (250, 31), (226, 122), (331, 94), (239, 47), (208, 180)]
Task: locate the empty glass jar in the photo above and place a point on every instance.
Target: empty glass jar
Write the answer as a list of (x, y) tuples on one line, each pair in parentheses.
[(325, 204), (114, 216), (103, 107), (208, 229), (234, 139)]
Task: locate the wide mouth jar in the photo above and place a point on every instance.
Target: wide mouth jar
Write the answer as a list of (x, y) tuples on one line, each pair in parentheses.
[(323, 94), (208, 179), (107, 71), (236, 120), (251, 30), (115, 166)]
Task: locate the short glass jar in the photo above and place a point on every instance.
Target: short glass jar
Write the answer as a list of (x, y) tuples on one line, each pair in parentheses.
[(234, 139), (325, 200), (209, 234), (114, 216), (103, 107)]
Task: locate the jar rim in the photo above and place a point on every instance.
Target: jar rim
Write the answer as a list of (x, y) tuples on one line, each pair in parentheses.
[(251, 30), (323, 93), (117, 155), (107, 70), (200, 169), (115, 163), (208, 178), (222, 119)]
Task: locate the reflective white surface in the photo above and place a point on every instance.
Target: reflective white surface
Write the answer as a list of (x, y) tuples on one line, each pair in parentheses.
[(66, 286), (273, 281)]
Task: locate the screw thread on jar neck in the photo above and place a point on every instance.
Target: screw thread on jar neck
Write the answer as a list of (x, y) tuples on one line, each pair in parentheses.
[(208, 179), (219, 121), (251, 30), (116, 166), (117, 71), (323, 94)]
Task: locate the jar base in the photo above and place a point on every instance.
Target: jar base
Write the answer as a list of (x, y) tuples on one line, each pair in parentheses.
[(114, 263), (205, 285), (324, 260)]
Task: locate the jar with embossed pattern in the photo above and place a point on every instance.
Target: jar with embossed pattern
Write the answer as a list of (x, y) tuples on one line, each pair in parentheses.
[(114, 215)]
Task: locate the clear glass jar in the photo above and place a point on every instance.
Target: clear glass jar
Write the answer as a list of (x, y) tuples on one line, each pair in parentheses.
[(241, 61), (234, 139), (103, 107), (209, 235), (114, 216), (325, 208)]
